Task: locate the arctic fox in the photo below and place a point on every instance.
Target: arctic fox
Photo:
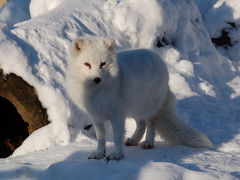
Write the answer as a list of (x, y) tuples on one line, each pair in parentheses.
[(134, 83)]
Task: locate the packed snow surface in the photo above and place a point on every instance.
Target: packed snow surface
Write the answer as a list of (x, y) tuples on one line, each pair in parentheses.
[(34, 42)]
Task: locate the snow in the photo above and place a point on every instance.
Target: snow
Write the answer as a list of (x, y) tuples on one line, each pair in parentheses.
[(38, 8), (34, 42), (225, 15), (12, 15)]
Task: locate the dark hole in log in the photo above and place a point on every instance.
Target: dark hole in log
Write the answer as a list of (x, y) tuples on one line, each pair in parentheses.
[(13, 129)]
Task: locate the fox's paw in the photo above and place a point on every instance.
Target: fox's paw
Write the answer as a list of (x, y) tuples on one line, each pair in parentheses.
[(97, 155), (114, 156), (147, 144), (130, 142)]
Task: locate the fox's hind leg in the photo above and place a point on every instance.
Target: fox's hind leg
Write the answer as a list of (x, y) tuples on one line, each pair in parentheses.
[(138, 134), (149, 141)]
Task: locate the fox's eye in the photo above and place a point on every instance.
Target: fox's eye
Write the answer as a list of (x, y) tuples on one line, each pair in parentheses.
[(88, 65), (102, 65)]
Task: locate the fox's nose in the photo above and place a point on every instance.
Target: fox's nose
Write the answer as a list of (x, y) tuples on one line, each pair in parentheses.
[(97, 80)]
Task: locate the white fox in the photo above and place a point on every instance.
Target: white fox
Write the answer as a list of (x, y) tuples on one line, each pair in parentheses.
[(134, 83)]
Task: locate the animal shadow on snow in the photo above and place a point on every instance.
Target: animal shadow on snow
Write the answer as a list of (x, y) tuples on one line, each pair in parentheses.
[(78, 166)]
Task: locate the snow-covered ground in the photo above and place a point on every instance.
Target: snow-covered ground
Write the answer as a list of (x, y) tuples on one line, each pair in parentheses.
[(34, 42)]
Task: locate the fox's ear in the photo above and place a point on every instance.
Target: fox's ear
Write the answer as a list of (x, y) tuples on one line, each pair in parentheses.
[(109, 43), (77, 46)]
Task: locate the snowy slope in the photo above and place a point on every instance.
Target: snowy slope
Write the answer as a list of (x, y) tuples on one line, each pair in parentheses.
[(34, 42)]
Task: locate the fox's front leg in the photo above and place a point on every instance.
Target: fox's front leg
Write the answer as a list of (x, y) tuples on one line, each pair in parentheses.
[(118, 137), (101, 140)]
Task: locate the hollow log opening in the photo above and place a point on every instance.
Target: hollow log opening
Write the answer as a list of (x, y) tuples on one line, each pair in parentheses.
[(21, 112), (13, 129)]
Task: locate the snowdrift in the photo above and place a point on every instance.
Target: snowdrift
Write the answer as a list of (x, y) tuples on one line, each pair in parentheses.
[(35, 37)]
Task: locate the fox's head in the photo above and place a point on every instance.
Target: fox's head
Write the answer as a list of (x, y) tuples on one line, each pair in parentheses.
[(93, 61)]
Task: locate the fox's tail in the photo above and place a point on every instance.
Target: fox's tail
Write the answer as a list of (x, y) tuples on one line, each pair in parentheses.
[(174, 130)]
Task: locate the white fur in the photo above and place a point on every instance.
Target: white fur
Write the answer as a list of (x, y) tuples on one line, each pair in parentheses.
[(133, 84)]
